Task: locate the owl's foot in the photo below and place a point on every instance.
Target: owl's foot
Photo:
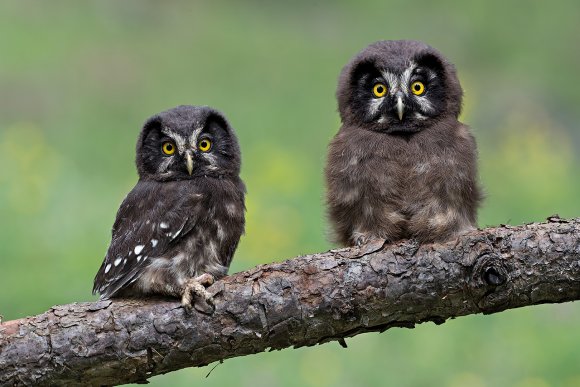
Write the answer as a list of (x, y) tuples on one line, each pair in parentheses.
[(196, 296), (360, 239), (365, 239)]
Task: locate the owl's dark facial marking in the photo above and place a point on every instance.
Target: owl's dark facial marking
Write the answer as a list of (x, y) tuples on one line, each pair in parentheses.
[(182, 144), (398, 87), (400, 99)]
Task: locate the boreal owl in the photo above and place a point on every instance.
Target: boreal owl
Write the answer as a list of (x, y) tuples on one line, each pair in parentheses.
[(177, 230), (401, 165)]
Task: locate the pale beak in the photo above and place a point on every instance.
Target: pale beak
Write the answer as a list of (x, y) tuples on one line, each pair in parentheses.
[(189, 163), (400, 107)]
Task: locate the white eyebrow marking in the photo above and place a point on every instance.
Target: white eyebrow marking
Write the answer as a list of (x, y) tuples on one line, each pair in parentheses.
[(392, 81), (193, 137), (406, 78), (179, 141), (400, 82)]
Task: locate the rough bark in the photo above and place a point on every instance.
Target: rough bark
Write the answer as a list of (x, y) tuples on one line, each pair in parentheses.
[(304, 301)]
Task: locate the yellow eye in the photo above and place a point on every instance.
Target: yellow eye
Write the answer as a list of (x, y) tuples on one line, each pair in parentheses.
[(379, 90), (168, 148), (417, 88), (204, 145)]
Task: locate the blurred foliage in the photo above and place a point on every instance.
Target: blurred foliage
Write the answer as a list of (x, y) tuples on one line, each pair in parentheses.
[(77, 80)]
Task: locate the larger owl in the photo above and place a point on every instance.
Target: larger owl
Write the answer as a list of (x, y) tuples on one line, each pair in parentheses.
[(401, 165), (177, 230)]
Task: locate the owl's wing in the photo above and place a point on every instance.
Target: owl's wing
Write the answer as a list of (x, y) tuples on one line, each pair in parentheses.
[(153, 218)]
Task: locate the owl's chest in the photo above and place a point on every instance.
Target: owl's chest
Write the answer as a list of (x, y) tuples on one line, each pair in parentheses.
[(402, 174), (217, 224)]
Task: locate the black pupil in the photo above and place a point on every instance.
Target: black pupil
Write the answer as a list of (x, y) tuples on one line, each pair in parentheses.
[(417, 87), (379, 89), (169, 147), (204, 144)]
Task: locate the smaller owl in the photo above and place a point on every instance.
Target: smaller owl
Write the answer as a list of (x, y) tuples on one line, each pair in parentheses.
[(177, 230), (401, 165)]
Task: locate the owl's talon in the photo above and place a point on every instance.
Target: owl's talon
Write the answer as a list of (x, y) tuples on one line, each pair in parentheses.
[(205, 279), (196, 296), (360, 240)]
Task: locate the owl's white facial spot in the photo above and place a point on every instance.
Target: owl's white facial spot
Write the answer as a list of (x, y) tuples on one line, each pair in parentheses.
[(211, 158), (164, 164), (118, 261), (107, 268), (163, 225), (154, 242), (420, 116), (138, 249), (424, 103), (374, 105), (139, 258)]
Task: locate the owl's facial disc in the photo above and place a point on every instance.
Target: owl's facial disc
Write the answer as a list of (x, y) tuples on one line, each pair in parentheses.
[(187, 142), (398, 99)]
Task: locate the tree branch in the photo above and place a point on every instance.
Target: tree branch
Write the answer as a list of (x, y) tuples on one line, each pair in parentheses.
[(304, 301)]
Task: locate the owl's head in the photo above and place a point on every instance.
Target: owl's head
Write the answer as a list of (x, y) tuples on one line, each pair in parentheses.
[(186, 142), (398, 86)]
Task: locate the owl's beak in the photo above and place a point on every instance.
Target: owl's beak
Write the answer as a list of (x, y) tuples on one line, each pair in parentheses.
[(400, 107), (189, 163)]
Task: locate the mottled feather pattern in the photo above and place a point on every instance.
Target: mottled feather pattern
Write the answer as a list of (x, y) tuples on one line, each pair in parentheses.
[(177, 224)]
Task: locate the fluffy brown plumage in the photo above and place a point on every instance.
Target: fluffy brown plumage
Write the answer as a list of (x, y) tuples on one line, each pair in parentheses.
[(401, 165)]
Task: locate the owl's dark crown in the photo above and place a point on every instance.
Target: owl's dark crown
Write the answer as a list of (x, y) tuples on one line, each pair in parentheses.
[(187, 142), (398, 86)]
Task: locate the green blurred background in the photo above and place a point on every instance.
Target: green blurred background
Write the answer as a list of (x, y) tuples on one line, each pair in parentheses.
[(78, 79)]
